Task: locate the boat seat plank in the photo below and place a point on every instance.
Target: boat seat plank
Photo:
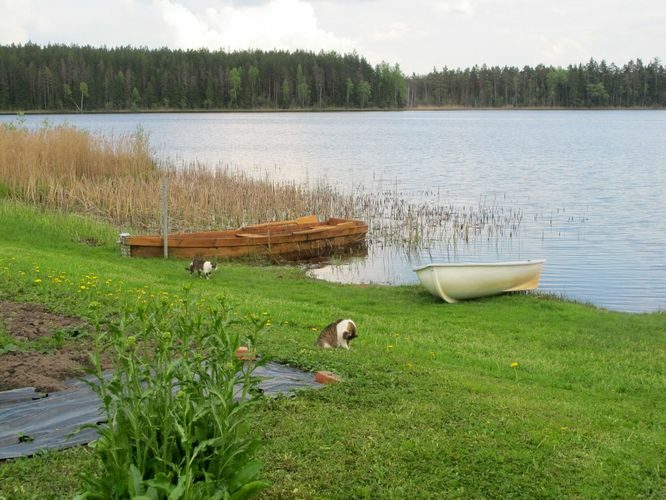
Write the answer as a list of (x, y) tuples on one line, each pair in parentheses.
[(252, 235), (308, 219), (288, 229), (344, 225), (315, 230)]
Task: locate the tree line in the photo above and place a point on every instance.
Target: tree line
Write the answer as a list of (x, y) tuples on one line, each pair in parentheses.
[(84, 78), (59, 77), (595, 84)]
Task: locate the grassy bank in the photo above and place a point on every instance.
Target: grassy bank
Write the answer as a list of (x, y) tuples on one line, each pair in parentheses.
[(517, 395)]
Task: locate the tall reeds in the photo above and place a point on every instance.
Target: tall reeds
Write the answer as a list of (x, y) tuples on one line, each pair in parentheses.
[(116, 178)]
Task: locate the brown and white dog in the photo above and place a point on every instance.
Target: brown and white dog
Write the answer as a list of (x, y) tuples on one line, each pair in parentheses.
[(202, 267), (338, 334)]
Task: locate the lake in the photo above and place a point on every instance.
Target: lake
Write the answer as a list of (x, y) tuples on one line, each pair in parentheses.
[(589, 184)]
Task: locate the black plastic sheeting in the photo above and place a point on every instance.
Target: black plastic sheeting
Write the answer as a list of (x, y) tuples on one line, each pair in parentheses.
[(31, 421)]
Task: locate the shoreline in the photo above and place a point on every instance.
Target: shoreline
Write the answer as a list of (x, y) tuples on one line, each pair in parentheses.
[(309, 110)]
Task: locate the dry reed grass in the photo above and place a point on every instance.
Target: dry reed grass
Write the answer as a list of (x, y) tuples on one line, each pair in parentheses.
[(117, 180)]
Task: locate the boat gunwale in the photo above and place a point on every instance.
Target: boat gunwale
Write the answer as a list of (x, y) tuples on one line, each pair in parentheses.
[(479, 264), (241, 236)]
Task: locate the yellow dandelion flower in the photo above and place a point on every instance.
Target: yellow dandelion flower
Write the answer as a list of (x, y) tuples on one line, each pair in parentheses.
[(38, 280), (82, 287), (515, 364)]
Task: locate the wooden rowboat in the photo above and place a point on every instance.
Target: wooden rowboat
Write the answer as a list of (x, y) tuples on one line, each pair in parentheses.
[(304, 237), (454, 282)]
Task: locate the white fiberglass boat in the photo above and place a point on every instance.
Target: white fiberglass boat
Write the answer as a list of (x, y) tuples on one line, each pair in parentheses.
[(454, 282)]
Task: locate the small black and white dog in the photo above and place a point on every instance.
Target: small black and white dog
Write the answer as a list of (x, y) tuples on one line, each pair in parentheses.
[(202, 267)]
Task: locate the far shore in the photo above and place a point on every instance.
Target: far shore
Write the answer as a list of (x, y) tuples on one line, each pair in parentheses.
[(323, 110)]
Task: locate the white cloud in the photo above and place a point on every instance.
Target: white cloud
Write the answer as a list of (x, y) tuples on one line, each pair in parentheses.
[(111, 23), (463, 7), (14, 19), (279, 24), (572, 49), (394, 31)]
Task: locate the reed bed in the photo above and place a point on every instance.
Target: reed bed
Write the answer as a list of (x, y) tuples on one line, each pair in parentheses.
[(116, 179)]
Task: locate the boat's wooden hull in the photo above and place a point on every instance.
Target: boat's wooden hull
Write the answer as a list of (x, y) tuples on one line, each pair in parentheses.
[(298, 239), (455, 282)]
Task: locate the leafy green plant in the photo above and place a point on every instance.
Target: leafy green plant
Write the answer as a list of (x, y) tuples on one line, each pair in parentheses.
[(7, 343), (177, 403), (24, 438)]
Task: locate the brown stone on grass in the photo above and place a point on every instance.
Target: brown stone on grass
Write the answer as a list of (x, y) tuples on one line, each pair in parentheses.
[(244, 354), (323, 377)]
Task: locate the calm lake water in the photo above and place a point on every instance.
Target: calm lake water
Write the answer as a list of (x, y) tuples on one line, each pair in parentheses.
[(590, 184)]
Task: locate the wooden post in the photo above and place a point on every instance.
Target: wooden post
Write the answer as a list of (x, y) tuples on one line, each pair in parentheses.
[(165, 214)]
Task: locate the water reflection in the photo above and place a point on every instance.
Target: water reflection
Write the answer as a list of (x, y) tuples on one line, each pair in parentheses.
[(382, 266)]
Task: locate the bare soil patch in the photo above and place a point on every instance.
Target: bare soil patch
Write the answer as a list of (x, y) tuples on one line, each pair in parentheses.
[(44, 371)]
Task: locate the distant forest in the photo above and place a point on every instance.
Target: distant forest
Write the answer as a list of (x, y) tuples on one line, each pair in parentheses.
[(591, 85), (73, 78)]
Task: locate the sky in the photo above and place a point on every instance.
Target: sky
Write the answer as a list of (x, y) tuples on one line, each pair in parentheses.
[(416, 34)]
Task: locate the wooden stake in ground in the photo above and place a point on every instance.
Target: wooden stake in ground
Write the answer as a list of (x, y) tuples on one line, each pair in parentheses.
[(165, 214)]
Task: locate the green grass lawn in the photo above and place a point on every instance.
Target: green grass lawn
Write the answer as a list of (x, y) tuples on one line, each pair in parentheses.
[(512, 396)]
